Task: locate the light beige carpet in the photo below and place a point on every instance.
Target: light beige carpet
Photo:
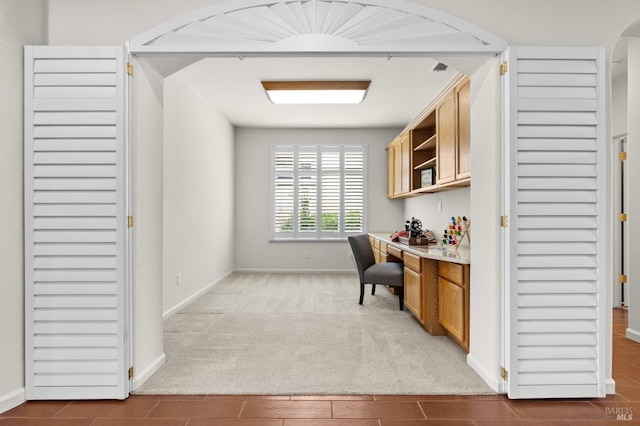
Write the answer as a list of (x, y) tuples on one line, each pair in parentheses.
[(295, 334)]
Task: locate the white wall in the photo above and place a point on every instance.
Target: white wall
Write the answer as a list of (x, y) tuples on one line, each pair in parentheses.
[(198, 193), (486, 272), (254, 251), (455, 202), (633, 176), (519, 22), (22, 22), (147, 230), (619, 105)]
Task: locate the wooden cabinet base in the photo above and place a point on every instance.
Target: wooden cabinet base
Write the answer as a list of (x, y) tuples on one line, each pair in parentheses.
[(421, 292), (431, 316), (453, 302)]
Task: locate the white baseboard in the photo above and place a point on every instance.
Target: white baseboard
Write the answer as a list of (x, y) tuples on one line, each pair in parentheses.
[(633, 334), (193, 297), (297, 271), (140, 377), (12, 400), (494, 382), (610, 385)]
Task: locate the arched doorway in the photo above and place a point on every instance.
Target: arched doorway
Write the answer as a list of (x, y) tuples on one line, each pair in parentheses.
[(180, 37)]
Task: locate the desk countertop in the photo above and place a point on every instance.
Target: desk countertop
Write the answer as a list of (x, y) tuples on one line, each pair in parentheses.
[(434, 252)]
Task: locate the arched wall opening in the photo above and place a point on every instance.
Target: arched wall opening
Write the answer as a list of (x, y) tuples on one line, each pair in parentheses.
[(466, 48)]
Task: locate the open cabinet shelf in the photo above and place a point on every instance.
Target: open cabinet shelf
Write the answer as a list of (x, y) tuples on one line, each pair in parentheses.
[(427, 164), (429, 144)]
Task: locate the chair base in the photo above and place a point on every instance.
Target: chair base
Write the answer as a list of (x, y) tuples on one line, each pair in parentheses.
[(373, 292)]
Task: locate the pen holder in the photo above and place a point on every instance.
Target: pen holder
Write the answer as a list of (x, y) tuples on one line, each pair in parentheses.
[(456, 232)]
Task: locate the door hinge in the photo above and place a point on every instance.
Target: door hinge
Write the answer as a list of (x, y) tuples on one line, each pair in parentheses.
[(130, 373), (622, 278), (129, 69), (622, 156), (504, 67), (622, 217), (504, 374), (129, 221), (504, 221)]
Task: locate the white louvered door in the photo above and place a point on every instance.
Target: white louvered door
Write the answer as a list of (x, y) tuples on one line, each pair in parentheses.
[(555, 240), (76, 314)]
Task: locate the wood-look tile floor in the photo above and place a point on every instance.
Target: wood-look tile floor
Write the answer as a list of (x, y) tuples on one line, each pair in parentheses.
[(354, 410)]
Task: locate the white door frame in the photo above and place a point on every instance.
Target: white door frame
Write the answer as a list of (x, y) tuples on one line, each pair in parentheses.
[(619, 245)]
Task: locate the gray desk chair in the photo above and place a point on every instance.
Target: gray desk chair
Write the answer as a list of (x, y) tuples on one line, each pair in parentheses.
[(388, 273)]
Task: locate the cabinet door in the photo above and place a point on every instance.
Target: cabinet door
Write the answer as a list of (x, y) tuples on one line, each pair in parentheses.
[(402, 164), (413, 292), (383, 252), (463, 159), (390, 173), (406, 163), (397, 169), (451, 308), (446, 125)]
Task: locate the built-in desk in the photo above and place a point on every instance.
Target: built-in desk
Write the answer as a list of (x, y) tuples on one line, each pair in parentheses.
[(436, 285)]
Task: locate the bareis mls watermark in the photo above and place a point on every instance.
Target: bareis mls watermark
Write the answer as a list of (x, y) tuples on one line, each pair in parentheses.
[(618, 413)]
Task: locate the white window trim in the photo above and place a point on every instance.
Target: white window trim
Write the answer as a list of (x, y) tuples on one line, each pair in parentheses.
[(318, 235)]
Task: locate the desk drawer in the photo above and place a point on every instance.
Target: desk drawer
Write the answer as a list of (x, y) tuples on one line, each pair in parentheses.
[(412, 262), (383, 248), (394, 252), (452, 272)]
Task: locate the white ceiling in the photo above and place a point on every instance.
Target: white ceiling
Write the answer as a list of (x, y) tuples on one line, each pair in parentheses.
[(400, 87)]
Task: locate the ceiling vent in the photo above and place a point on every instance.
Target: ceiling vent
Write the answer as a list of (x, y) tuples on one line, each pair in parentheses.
[(439, 67)]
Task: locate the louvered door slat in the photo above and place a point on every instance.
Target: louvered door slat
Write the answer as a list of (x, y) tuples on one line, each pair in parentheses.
[(75, 223), (555, 267)]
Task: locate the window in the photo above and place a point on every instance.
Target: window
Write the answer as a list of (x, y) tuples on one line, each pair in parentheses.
[(317, 192)]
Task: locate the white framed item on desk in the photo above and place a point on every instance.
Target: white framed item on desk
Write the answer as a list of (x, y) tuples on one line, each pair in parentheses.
[(427, 177)]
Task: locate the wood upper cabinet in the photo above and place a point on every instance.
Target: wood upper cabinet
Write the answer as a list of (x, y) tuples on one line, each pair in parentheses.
[(453, 118), (399, 166), (405, 160), (463, 152), (391, 190), (446, 124), (440, 139)]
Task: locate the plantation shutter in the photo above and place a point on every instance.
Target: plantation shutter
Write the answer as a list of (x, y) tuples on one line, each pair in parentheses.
[(331, 206), (308, 192), (317, 191), (75, 223), (555, 239), (354, 190)]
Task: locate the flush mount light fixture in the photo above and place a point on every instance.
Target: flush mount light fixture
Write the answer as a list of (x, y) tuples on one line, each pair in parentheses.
[(316, 92)]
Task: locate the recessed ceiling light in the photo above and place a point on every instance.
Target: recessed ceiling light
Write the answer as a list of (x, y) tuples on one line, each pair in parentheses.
[(316, 92)]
